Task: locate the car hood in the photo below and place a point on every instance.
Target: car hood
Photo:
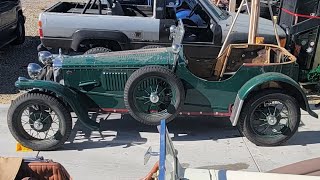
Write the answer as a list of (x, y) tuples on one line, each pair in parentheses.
[(132, 58), (241, 27)]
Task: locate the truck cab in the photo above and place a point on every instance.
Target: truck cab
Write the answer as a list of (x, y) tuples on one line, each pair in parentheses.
[(11, 23)]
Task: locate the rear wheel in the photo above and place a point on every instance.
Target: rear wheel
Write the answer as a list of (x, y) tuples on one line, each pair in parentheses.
[(270, 118), (97, 50), (153, 93), (39, 121)]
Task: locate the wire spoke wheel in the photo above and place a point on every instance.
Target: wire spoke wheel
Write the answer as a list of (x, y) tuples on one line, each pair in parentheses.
[(153, 96), (39, 121), (269, 118), (153, 93)]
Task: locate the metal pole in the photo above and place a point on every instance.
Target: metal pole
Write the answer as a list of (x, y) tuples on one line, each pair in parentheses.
[(230, 30), (254, 21)]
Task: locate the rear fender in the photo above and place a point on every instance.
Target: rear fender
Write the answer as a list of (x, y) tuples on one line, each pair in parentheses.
[(286, 83), (73, 98)]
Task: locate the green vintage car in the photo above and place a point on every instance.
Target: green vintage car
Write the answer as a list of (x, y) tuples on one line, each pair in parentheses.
[(255, 85)]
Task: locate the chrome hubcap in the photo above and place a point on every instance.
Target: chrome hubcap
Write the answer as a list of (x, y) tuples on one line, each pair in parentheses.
[(154, 98), (38, 125), (272, 120)]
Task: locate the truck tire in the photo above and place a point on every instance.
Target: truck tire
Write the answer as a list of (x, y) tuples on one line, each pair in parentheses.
[(263, 122), (151, 47), (20, 31), (97, 50), (47, 120), (153, 93)]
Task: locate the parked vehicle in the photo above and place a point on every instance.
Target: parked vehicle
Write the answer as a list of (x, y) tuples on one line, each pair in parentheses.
[(11, 23), (169, 168), (82, 26), (255, 85)]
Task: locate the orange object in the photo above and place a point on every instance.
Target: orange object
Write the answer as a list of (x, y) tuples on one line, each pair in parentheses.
[(20, 148), (259, 40)]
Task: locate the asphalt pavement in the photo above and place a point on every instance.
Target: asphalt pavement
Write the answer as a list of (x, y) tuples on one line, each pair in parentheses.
[(202, 142)]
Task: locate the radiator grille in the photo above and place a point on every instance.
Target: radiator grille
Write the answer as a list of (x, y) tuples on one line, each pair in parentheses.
[(114, 81)]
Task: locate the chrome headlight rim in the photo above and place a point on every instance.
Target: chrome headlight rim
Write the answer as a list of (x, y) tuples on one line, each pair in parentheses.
[(34, 70), (45, 57)]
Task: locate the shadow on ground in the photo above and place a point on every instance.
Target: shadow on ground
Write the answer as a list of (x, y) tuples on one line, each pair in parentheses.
[(304, 138), (126, 132), (14, 61)]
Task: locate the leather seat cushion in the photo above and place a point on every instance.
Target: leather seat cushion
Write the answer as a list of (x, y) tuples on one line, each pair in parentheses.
[(43, 171)]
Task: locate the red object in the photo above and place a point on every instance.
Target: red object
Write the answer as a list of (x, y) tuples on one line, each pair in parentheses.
[(40, 31), (299, 15)]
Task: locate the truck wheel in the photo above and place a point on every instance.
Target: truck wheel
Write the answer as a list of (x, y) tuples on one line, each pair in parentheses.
[(270, 118), (97, 50), (151, 47), (39, 122), (20, 31), (153, 93)]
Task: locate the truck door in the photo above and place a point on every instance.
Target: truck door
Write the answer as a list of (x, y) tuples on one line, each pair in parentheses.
[(8, 17), (203, 35)]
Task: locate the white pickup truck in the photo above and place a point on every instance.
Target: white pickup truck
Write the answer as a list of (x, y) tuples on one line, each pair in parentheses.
[(119, 26)]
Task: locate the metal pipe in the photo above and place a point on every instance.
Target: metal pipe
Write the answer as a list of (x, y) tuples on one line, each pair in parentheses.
[(230, 30), (274, 24)]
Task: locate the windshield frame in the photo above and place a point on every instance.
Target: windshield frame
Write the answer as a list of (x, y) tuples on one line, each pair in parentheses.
[(213, 10)]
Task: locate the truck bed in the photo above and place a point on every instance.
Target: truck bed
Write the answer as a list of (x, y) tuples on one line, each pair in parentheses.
[(78, 7)]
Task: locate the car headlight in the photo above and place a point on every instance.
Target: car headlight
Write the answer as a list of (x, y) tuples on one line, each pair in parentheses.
[(45, 57), (34, 70)]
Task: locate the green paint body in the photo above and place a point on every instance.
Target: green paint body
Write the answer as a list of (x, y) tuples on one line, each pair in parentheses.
[(97, 81)]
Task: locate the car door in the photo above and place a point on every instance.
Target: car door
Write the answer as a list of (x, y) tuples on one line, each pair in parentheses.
[(1, 24), (8, 17)]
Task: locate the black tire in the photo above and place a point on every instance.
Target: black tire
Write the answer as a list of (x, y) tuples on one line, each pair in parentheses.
[(18, 131), (175, 88), (151, 47), (20, 31), (97, 50), (247, 121)]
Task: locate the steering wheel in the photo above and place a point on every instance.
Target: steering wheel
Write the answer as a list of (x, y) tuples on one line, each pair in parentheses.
[(193, 10)]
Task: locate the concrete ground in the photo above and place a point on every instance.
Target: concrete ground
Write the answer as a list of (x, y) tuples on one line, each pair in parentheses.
[(201, 142)]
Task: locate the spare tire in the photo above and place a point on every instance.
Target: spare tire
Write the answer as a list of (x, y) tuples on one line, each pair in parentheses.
[(153, 93)]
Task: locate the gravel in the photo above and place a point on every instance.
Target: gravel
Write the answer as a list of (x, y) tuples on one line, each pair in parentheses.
[(15, 59)]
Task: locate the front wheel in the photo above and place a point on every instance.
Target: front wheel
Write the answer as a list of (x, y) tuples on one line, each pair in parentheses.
[(39, 122), (269, 118)]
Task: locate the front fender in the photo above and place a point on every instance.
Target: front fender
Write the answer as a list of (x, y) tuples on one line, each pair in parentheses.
[(290, 86), (70, 96)]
